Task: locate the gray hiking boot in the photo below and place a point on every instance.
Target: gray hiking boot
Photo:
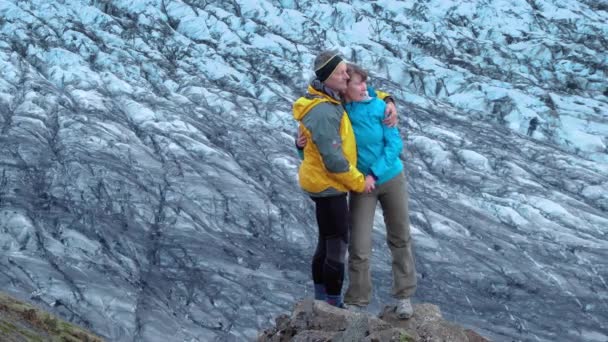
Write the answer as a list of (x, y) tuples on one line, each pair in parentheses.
[(404, 309)]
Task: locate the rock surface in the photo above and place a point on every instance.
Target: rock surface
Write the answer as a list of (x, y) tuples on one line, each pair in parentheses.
[(313, 320), (24, 322)]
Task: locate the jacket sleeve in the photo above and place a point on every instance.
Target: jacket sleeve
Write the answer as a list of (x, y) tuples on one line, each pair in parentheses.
[(300, 152), (324, 130), (386, 97), (393, 145), (299, 149)]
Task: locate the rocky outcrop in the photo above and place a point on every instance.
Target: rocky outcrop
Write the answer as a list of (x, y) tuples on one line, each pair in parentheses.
[(313, 320), (22, 322)]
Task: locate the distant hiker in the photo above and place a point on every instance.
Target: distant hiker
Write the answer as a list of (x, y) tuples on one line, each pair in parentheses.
[(532, 126), (378, 154), (328, 171)]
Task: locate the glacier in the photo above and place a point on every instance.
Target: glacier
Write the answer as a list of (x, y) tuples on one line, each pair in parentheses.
[(148, 177)]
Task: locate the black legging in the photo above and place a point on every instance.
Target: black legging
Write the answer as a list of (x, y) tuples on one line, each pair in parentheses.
[(328, 261)]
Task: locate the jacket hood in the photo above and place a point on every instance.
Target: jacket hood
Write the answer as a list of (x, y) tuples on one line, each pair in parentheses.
[(304, 104)]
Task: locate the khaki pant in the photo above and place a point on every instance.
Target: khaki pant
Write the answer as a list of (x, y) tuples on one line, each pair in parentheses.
[(393, 198)]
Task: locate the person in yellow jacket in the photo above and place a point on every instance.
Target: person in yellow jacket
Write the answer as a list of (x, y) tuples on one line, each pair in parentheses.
[(328, 171)]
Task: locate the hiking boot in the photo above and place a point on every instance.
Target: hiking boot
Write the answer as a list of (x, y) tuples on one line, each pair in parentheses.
[(335, 301), (404, 309)]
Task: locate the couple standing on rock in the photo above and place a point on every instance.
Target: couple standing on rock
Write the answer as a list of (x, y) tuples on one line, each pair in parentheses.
[(349, 147)]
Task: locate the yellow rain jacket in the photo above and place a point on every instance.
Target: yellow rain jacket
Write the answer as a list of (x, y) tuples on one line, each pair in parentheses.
[(330, 156)]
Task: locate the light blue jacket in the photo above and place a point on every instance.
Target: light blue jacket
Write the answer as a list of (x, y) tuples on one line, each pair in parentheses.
[(378, 146)]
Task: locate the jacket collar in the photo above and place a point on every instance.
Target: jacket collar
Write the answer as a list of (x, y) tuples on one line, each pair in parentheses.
[(366, 99), (317, 88)]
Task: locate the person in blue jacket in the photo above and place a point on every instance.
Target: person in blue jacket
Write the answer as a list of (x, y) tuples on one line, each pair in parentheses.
[(378, 155)]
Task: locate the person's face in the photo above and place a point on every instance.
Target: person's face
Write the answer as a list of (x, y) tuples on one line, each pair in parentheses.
[(337, 80), (356, 89)]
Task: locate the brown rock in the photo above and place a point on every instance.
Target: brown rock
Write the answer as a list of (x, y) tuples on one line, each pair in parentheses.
[(390, 335), (20, 321), (475, 337), (313, 336), (427, 324), (318, 321)]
